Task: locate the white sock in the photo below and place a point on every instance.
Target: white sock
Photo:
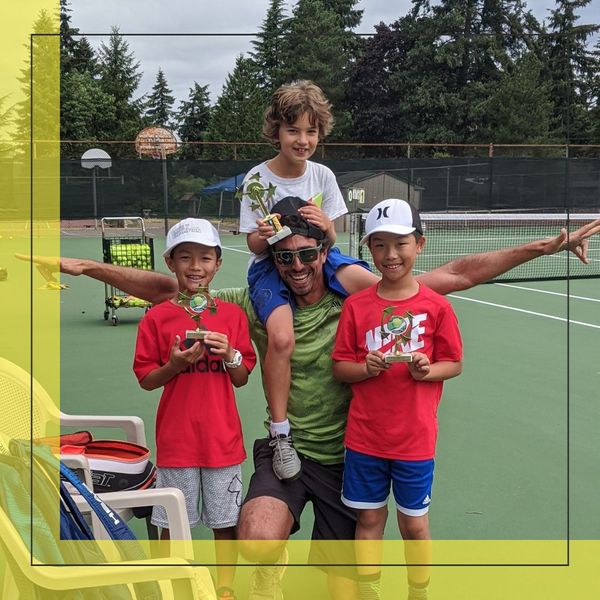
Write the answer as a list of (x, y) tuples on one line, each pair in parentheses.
[(282, 428)]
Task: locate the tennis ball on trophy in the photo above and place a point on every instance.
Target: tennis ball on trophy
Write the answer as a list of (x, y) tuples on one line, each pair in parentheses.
[(198, 303), (397, 324)]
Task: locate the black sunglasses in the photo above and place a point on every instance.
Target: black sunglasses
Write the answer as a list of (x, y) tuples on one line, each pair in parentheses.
[(306, 255)]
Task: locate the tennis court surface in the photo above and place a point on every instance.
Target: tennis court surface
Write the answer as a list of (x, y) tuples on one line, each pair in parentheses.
[(518, 429)]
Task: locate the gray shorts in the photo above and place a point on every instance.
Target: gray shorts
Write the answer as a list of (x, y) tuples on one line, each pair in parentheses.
[(220, 490)]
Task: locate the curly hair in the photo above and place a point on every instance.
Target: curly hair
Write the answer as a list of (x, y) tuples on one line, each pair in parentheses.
[(290, 102)]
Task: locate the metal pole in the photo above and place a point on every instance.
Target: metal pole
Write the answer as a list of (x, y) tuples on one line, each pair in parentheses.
[(447, 188), (165, 192), (95, 199)]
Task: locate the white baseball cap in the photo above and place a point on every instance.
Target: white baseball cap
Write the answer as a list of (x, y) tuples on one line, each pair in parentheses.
[(392, 216), (199, 231)]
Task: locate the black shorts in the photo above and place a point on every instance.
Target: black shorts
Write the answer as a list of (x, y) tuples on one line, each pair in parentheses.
[(319, 484)]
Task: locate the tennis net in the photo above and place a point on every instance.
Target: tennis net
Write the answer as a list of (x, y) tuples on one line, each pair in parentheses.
[(450, 235)]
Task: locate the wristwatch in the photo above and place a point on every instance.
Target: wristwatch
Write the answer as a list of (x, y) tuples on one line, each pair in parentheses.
[(235, 362)]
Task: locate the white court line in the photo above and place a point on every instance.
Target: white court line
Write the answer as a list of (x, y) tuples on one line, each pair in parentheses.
[(521, 287), (451, 255), (522, 310), (233, 249)]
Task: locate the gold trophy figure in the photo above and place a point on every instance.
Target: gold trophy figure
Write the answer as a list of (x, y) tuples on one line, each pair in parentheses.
[(400, 326), (259, 197), (195, 306)]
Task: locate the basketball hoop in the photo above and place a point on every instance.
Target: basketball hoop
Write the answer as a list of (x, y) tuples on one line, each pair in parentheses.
[(156, 142)]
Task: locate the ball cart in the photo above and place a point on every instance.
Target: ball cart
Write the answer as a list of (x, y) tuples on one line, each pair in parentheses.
[(125, 243)]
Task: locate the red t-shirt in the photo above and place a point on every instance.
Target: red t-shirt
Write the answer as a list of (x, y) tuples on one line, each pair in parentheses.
[(393, 415), (197, 423)]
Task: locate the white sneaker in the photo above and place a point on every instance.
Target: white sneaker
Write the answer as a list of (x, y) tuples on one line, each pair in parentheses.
[(266, 581), (286, 464)]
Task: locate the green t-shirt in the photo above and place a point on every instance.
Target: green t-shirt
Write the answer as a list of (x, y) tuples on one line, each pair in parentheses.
[(318, 405)]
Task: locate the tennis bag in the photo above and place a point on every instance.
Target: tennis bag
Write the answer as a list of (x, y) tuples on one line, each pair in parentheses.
[(30, 513), (115, 465)]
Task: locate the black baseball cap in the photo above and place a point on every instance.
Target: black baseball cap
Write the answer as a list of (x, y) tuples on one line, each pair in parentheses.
[(288, 209)]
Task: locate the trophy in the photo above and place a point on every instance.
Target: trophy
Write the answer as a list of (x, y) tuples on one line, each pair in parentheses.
[(195, 306), (259, 197), (400, 327)]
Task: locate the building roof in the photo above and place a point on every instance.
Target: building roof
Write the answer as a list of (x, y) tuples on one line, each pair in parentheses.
[(351, 177)]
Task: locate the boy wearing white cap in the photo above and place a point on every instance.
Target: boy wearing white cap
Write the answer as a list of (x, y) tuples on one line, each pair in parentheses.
[(199, 444), (396, 342)]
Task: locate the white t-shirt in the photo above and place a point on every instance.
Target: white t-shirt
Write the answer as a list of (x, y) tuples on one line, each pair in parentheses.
[(316, 180)]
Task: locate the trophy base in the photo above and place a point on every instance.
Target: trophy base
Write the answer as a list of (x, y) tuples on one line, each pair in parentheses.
[(400, 357), (281, 234), (195, 334)]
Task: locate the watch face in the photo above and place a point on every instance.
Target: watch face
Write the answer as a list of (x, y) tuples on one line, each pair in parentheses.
[(236, 361)]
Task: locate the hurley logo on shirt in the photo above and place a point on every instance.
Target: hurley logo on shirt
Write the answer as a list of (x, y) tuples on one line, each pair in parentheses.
[(382, 339)]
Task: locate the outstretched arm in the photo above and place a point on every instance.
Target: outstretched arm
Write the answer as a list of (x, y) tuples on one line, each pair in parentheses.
[(148, 285), (468, 271)]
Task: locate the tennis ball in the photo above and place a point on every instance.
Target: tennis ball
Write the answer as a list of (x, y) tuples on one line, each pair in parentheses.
[(397, 324), (198, 303)]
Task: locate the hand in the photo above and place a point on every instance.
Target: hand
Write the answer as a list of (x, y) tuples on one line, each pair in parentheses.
[(219, 345), (47, 265), (180, 359), (375, 363), (420, 366), (265, 229), (576, 242), (315, 216)]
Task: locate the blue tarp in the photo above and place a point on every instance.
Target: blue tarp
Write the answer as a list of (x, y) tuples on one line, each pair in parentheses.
[(226, 185)]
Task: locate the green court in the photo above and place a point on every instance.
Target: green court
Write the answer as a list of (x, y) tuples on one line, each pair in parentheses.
[(516, 455)]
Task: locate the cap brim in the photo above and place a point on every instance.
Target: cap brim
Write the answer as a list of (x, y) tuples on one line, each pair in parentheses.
[(202, 243), (397, 229)]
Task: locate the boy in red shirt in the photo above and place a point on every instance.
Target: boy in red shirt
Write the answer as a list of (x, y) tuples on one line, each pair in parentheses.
[(199, 444), (396, 342)]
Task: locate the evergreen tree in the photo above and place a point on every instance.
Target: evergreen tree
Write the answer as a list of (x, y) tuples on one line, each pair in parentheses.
[(317, 47), (89, 112), (428, 74), (119, 71), (81, 98), (68, 43), (594, 87), (5, 122), (267, 47), (193, 118), (519, 110), (350, 18), (373, 95), (238, 113), (571, 68), (84, 58), (159, 105), (75, 51), (37, 76), (119, 77)]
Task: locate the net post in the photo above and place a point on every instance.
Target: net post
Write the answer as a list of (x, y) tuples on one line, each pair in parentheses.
[(355, 231)]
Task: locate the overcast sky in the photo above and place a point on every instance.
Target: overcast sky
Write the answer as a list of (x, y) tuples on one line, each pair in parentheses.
[(208, 60)]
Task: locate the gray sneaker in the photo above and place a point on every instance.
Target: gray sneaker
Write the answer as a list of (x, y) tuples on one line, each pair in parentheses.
[(286, 464), (416, 593), (265, 583)]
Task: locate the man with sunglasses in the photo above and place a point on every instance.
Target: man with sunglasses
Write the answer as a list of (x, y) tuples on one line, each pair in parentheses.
[(318, 405)]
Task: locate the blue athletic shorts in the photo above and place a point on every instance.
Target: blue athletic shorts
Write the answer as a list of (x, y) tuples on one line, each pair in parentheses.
[(267, 291), (367, 481)]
